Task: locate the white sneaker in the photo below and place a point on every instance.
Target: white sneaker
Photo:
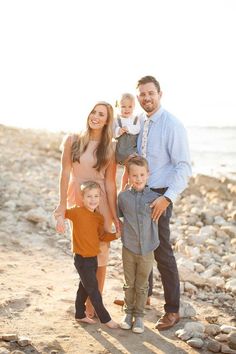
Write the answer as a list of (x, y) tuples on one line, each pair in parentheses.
[(127, 321), (138, 326)]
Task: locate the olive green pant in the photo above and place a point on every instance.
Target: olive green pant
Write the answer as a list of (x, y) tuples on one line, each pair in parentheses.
[(137, 268)]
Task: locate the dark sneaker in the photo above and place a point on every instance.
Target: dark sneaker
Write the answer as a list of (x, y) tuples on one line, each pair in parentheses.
[(138, 326), (127, 321)]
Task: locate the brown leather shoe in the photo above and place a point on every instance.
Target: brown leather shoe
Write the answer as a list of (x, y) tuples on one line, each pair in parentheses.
[(119, 302), (168, 320)]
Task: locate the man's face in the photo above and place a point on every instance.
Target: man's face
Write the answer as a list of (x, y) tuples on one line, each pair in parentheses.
[(149, 98)]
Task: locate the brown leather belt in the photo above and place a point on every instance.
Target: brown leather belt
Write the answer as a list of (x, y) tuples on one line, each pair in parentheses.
[(159, 190)]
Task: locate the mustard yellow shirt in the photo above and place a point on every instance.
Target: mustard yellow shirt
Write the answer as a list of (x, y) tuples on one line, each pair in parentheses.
[(87, 231)]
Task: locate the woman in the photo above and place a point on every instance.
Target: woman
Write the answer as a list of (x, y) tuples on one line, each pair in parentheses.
[(90, 156)]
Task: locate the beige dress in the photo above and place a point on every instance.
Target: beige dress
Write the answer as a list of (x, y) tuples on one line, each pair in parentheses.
[(82, 172)]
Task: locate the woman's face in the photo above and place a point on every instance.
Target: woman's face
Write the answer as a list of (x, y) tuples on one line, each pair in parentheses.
[(98, 117)]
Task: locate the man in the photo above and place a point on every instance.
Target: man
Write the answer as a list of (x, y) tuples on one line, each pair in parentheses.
[(163, 141)]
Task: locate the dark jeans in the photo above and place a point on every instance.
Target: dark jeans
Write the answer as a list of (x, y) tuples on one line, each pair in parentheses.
[(166, 263), (88, 286), (150, 284)]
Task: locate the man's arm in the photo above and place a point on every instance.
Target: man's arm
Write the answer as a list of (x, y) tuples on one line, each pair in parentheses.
[(178, 150)]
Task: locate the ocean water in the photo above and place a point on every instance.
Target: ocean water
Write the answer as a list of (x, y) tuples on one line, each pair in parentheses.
[(213, 150)]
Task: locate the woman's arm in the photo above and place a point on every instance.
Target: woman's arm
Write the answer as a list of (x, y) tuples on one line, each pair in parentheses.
[(66, 166), (111, 190)]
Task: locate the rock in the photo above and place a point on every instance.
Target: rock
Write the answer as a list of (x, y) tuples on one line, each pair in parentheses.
[(186, 310), (212, 329), (232, 340), (222, 337), (194, 327), (226, 271), (23, 341), (10, 337), (10, 204), (37, 215), (227, 329), (219, 220), (207, 219), (227, 350), (188, 276), (199, 267), (218, 282), (187, 263), (190, 288), (213, 346), (183, 334), (230, 230), (231, 285), (195, 343), (4, 350), (211, 319)]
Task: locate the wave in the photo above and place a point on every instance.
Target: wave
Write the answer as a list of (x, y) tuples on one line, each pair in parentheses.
[(211, 127)]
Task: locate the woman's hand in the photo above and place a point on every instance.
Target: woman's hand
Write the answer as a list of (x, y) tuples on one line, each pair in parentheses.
[(60, 225)]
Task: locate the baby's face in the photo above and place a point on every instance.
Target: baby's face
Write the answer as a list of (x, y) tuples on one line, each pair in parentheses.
[(126, 107)]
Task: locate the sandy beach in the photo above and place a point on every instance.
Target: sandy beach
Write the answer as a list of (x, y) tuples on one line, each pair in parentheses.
[(38, 281)]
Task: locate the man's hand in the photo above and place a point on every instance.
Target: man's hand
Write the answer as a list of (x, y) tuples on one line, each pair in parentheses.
[(158, 206)]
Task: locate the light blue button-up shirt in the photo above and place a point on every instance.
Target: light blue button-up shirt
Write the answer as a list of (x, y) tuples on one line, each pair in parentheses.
[(167, 153)]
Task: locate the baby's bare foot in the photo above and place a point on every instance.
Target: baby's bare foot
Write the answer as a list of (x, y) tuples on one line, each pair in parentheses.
[(112, 324), (86, 320)]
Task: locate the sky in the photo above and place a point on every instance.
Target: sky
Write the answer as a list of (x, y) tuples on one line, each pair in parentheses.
[(57, 58)]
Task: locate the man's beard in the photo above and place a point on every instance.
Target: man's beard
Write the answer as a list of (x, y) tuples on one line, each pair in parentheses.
[(148, 108)]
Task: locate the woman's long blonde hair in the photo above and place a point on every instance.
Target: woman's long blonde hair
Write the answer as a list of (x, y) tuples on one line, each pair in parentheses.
[(105, 148)]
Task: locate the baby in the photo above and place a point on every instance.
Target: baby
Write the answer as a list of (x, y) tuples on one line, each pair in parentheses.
[(127, 127)]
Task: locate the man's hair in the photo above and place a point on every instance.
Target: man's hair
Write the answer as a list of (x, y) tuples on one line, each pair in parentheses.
[(87, 186), (137, 161), (147, 79)]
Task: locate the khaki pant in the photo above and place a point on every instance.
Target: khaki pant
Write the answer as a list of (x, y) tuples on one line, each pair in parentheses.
[(136, 272)]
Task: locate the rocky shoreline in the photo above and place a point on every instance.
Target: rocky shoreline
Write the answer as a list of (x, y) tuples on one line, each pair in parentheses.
[(203, 237)]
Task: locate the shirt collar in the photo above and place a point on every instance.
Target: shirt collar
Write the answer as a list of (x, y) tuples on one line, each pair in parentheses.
[(155, 116), (134, 191)]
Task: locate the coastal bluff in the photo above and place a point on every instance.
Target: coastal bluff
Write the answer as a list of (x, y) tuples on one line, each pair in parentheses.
[(38, 280)]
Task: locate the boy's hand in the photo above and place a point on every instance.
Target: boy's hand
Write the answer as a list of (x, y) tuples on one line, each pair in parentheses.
[(60, 225)]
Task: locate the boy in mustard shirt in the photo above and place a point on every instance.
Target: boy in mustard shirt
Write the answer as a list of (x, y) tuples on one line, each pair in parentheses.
[(88, 230)]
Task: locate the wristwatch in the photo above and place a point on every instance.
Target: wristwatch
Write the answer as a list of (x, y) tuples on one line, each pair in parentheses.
[(168, 199)]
